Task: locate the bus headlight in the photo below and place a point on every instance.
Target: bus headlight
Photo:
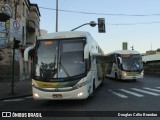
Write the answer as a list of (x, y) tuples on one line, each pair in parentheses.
[(124, 73), (35, 95), (80, 94), (142, 73), (80, 85)]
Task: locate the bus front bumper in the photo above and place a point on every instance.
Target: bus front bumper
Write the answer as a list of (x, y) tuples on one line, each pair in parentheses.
[(132, 77), (81, 93)]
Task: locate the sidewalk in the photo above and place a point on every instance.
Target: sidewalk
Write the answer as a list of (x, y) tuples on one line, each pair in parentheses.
[(22, 88)]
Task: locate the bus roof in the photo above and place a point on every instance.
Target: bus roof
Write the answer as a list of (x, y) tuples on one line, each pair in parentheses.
[(72, 34), (124, 52), (65, 34)]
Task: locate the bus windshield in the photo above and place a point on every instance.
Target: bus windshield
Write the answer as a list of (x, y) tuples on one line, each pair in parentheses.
[(59, 59), (132, 62)]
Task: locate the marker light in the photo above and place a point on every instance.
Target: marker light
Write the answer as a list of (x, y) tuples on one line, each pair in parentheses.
[(48, 42)]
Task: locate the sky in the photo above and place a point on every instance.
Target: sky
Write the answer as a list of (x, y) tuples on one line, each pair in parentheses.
[(136, 22)]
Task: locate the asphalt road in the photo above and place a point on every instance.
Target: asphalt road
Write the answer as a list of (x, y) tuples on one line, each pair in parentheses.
[(142, 95)]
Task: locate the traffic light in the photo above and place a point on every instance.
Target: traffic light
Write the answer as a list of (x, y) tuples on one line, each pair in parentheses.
[(101, 25)]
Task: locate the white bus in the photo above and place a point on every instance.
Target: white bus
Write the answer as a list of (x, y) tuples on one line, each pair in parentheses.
[(124, 65), (66, 65)]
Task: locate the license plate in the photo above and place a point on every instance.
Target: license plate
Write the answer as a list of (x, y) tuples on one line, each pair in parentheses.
[(57, 95)]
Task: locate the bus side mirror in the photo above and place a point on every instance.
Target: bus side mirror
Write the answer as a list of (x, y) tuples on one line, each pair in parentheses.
[(119, 60), (27, 51), (88, 62), (86, 51)]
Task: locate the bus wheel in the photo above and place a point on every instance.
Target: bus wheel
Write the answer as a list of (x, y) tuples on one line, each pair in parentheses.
[(134, 80), (93, 92), (116, 77), (103, 80)]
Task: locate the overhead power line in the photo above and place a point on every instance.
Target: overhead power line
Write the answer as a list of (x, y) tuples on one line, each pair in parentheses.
[(133, 23), (116, 24), (108, 14)]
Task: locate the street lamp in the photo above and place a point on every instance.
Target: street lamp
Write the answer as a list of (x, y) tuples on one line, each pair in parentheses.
[(101, 25), (92, 24)]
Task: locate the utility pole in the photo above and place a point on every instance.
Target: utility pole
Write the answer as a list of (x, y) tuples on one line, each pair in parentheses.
[(13, 63), (56, 15)]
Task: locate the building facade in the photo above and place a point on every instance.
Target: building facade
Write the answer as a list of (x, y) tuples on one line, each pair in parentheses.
[(19, 20), (152, 62)]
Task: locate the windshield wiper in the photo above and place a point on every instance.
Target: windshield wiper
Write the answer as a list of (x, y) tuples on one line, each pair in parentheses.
[(64, 69), (131, 66)]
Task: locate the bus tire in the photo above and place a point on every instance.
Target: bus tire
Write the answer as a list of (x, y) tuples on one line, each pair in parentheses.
[(103, 80), (94, 88), (116, 76), (134, 80)]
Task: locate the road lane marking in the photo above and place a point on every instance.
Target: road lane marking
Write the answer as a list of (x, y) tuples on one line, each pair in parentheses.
[(118, 94), (157, 87), (147, 92), (155, 90), (132, 93)]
